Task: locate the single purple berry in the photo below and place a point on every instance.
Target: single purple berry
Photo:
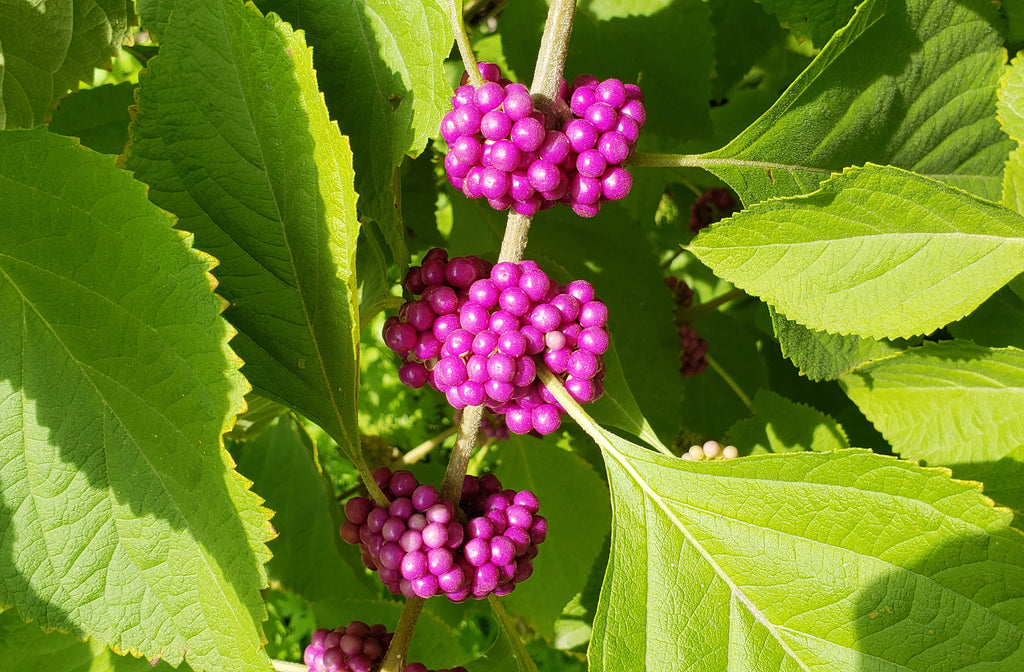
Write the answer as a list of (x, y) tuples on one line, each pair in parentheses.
[(528, 207), (546, 419), (583, 364), (519, 420), (581, 99), (512, 343), (526, 371), (490, 95), (594, 339), (494, 183), (613, 147), (544, 175), (616, 183), (518, 104), (591, 163), (466, 149), (587, 209), (502, 321), (555, 147), (581, 290), (634, 109), (464, 95), (501, 367), (611, 91), (581, 135), (584, 190), (528, 134), (401, 338), (472, 393), (467, 119), (504, 156), (602, 117), (593, 314), (515, 301), (628, 129), (505, 275), (496, 125)]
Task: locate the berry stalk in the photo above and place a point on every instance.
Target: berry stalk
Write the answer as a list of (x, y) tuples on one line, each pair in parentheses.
[(395, 658), (547, 75), (462, 40)]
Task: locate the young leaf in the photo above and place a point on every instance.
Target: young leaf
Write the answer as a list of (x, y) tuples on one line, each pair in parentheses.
[(780, 425), (823, 356), (909, 83), (578, 519), (949, 403), (841, 560), (47, 48), (276, 207), (121, 518), (876, 251), (379, 63), (98, 117)]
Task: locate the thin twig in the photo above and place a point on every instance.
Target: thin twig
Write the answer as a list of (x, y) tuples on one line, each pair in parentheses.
[(729, 381), (525, 662), (462, 40), (469, 426), (419, 452), (394, 661), (285, 666)]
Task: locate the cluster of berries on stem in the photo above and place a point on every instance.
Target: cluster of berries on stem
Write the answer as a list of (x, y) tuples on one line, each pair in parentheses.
[(356, 647), (422, 546), (477, 333), (693, 348), (503, 149)]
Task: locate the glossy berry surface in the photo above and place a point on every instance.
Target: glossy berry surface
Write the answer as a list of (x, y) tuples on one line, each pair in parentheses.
[(502, 149), (481, 342), (418, 547), (356, 647)]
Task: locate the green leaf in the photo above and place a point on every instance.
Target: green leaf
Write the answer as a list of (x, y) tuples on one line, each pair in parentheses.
[(997, 322), (780, 425), (46, 48), (1011, 100), (380, 65), (949, 403), (276, 208), (1013, 181), (281, 463), (121, 517), (811, 19), (578, 519), (927, 105), (823, 356), (98, 117), (877, 252), (861, 562), (27, 647)]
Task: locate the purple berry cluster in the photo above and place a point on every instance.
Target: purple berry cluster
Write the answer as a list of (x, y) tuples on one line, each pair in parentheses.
[(504, 150), (692, 360), (418, 546), (356, 647), (479, 340), (711, 206)]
